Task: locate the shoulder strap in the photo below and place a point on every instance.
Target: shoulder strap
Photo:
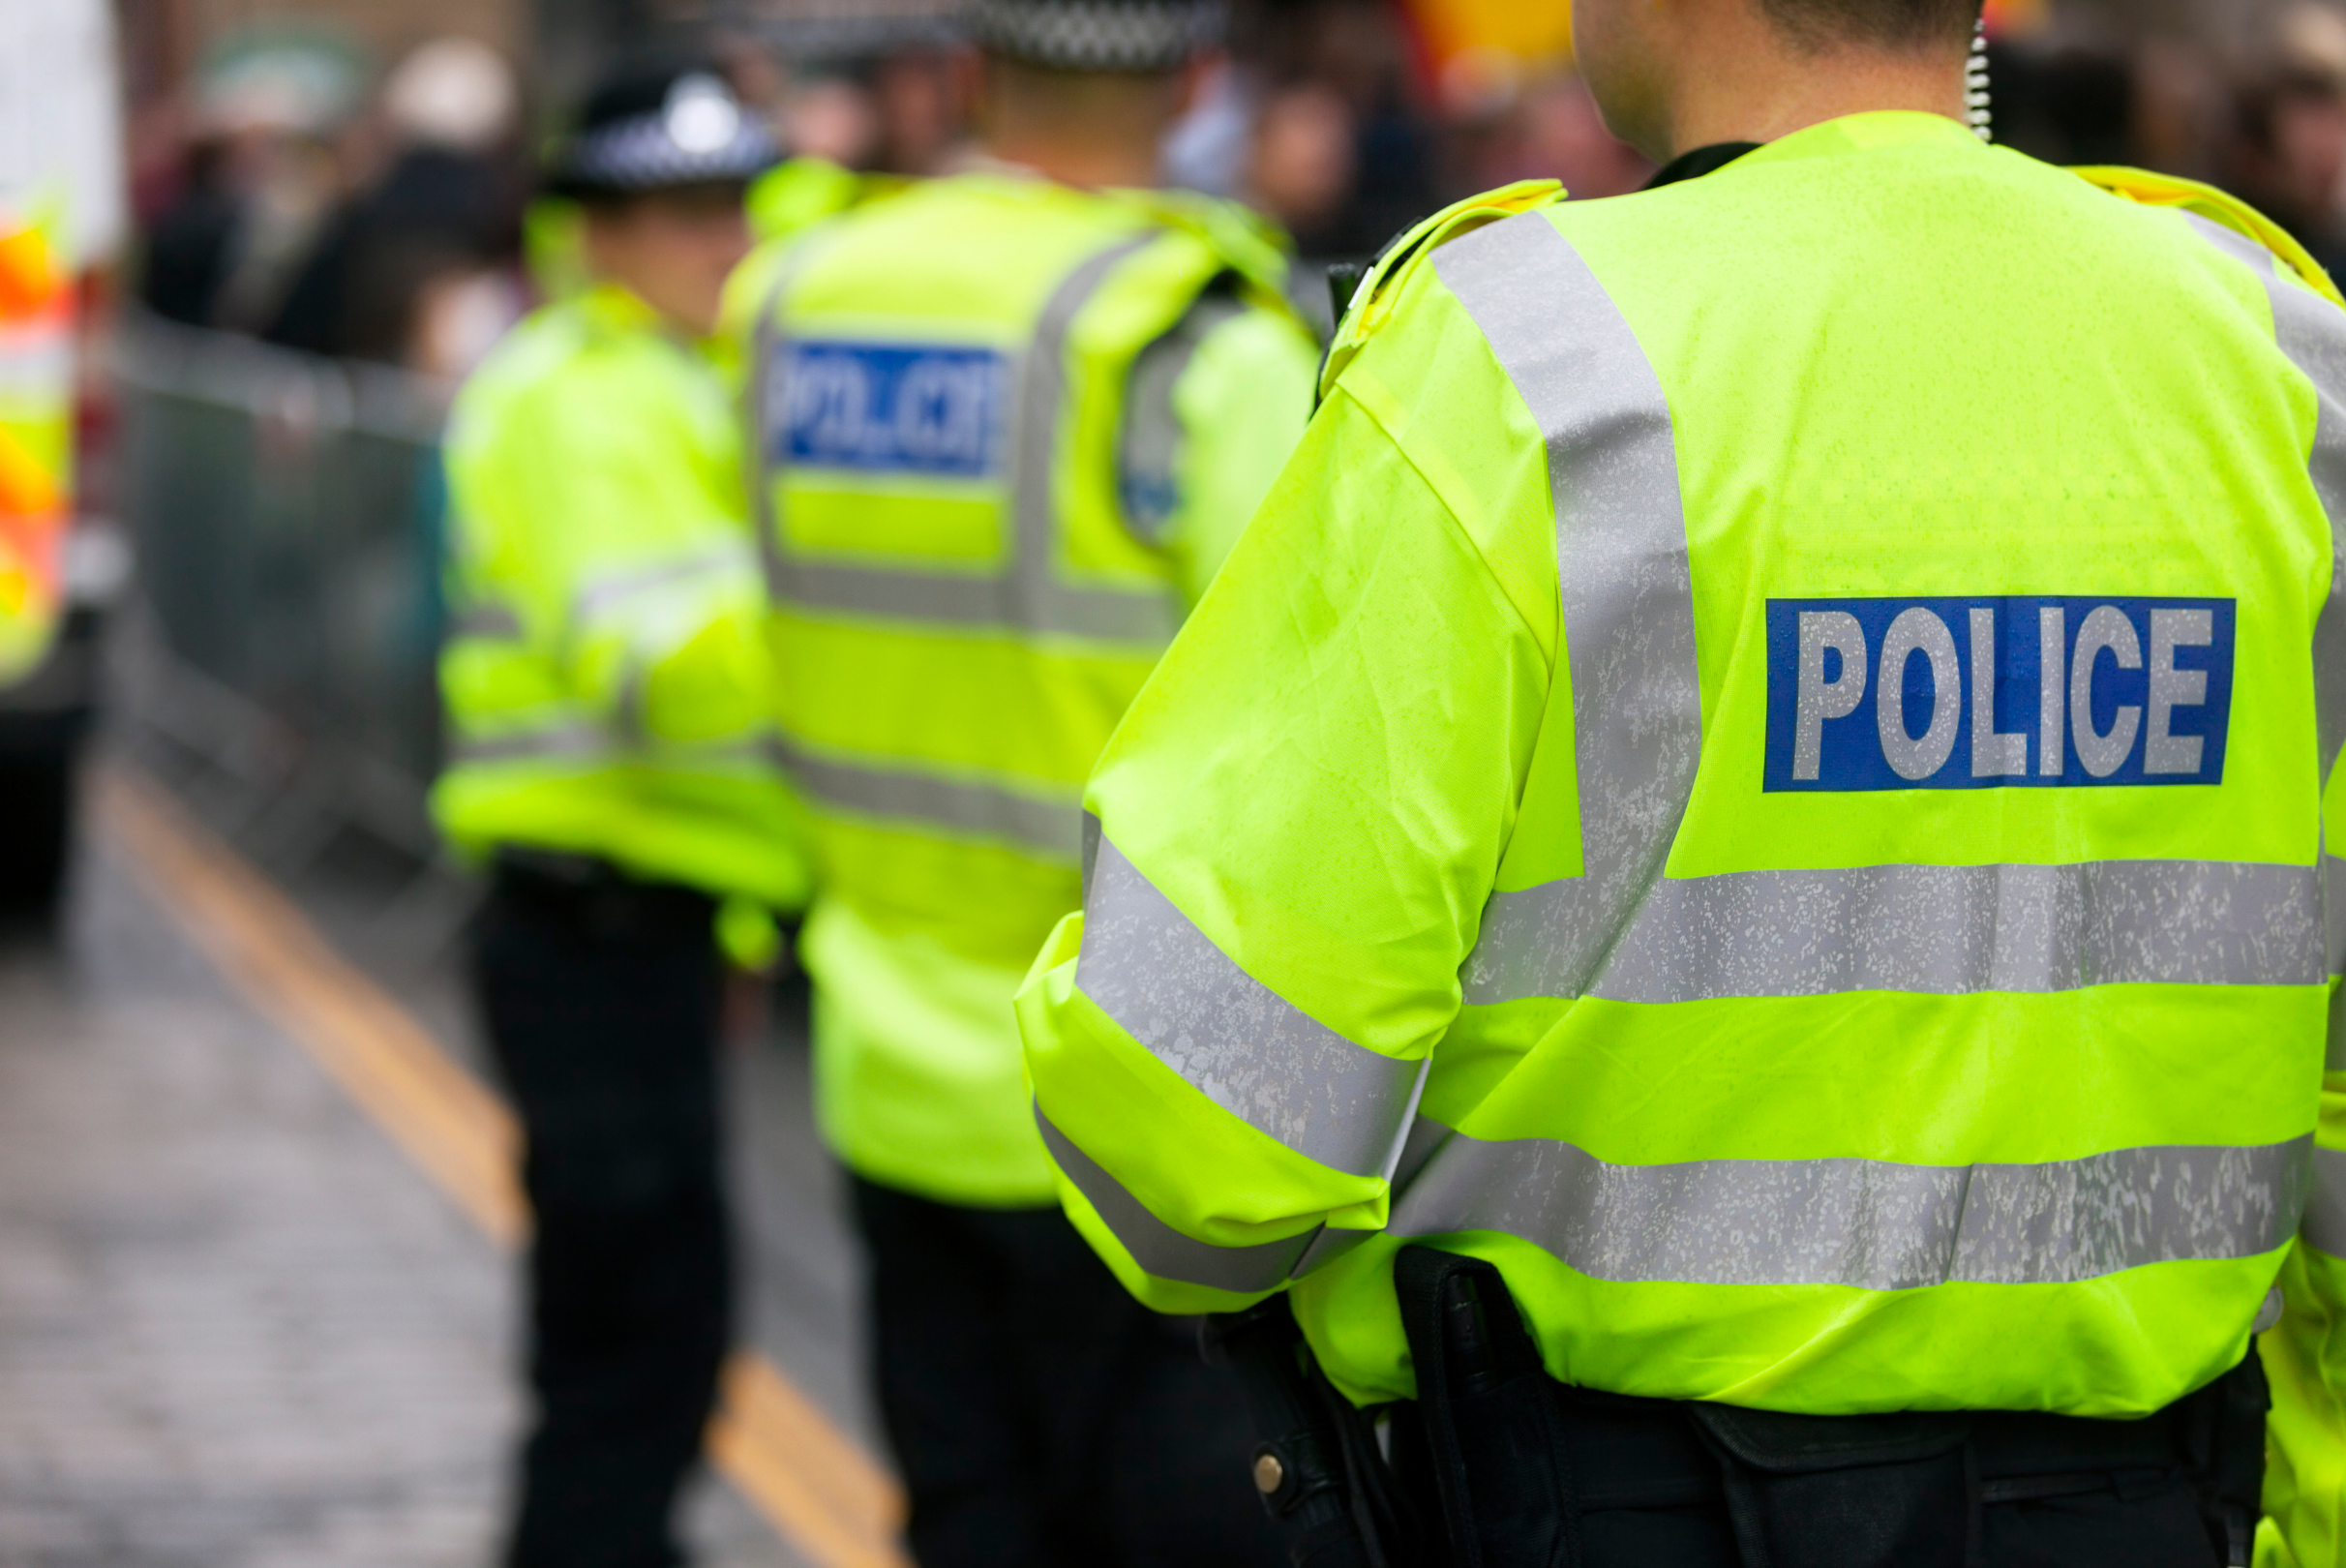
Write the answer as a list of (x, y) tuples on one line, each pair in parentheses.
[(1246, 247), (1372, 304), (2150, 189)]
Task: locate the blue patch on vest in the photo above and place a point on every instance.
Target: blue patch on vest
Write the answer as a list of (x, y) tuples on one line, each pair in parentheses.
[(1994, 693), (892, 409)]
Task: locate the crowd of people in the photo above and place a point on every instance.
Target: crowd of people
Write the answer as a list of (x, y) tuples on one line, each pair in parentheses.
[(277, 201)]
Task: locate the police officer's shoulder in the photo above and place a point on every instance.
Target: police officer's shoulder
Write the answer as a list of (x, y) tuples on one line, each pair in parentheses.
[(806, 193), (1387, 279), (1241, 236), (531, 355), (559, 369), (2148, 189)]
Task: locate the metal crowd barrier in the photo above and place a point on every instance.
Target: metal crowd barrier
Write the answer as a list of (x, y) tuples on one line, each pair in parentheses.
[(287, 514)]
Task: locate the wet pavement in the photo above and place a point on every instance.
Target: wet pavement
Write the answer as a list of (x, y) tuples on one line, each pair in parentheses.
[(241, 1328)]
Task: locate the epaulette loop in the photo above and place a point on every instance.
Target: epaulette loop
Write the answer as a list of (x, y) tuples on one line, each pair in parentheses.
[(2150, 189), (1372, 299)]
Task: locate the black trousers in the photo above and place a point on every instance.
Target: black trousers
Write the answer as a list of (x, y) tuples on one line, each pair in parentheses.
[(602, 1001), (1041, 1417), (1508, 1467), (1650, 1492)]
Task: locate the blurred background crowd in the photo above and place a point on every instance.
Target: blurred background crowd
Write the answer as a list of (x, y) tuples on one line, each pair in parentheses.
[(350, 176)]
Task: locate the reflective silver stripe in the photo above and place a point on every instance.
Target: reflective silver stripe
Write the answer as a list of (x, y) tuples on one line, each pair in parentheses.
[(630, 710), (1090, 853), (488, 621), (2334, 910), (1157, 1247), (612, 588), (2311, 332), (1628, 600), (1863, 1223), (1046, 824), (1232, 1039), (1025, 592), (2324, 1226), (935, 597), (767, 394), (939, 598), (1939, 930), (1148, 447), (579, 740), (1040, 601), (573, 739)]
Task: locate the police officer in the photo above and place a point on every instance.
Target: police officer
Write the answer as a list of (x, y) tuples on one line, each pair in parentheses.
[(1009, 423), (607, 695), (1726, 891)]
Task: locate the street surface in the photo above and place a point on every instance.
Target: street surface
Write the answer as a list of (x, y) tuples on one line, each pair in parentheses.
[(242, 1327)]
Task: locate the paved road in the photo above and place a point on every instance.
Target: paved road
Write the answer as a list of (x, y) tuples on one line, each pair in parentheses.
[(238, 1329)]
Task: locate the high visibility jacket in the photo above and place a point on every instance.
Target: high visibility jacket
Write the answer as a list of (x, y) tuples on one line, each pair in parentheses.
[(1008, 430), (793, 195), (36, 434), (1762, 770), (605, 675)]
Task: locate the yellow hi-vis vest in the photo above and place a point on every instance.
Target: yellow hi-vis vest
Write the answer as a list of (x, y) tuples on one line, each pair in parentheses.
[(1007, 430), (36, 434), (605, 673), (1762, 770)]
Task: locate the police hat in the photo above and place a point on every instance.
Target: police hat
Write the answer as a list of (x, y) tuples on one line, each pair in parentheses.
[(1097, 34), (654, 128)]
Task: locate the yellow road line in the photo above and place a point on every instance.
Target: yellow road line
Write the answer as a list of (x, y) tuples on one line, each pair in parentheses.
[(815, 1484)]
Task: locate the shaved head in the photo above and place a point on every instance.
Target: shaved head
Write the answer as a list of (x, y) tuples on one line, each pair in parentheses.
[(1888, 23)]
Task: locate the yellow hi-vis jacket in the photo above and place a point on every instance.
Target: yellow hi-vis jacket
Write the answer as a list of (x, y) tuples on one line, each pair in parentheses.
[(36, 434), (1762, 770), (1007, 430), (605, 675)]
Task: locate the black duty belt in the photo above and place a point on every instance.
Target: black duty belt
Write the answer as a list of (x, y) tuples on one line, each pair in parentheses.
[(1498, 1464)]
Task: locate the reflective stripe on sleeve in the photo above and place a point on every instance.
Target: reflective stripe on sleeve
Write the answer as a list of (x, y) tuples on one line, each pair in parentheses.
[(486, 620), (1864, 1223), (1149, 446), (1157, 1247), (571, 739), (1025, 592), (965, 600), (600, 593), (1049, 826), (1232, 1039), (585, 741), (1621, 554), (2311, 332), (1940, 930), (2325, 1225)]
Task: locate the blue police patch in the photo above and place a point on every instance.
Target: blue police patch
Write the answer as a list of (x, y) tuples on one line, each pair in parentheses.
[(891, 407), (1993, 693)]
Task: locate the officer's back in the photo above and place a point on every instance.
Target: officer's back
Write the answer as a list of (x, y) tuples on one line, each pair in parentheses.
[(1008, 424), (1837, 928)]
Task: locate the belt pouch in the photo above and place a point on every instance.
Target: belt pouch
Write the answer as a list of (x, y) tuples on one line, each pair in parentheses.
[(1491, 1420), (1845, 1491)]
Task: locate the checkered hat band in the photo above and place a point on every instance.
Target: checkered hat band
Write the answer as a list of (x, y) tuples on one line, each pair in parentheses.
[(1097, 34), (637, 154)]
